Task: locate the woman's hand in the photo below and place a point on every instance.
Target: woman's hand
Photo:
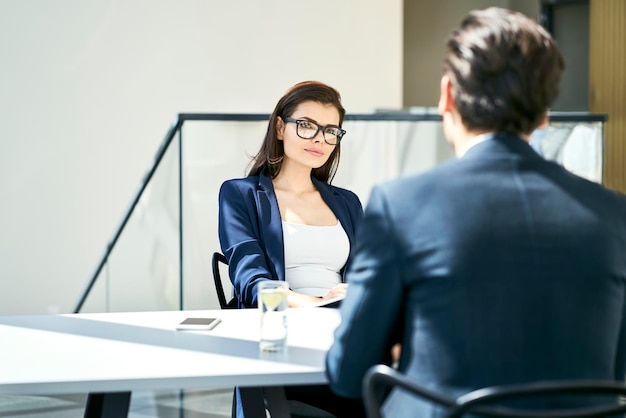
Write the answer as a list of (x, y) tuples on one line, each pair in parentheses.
[(299, 300), (338, 290)]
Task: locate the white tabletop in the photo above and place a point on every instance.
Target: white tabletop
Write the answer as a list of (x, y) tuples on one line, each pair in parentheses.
[(56, 354)]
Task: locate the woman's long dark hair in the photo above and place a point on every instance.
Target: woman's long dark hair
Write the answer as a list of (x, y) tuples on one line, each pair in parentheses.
[(270, 156)]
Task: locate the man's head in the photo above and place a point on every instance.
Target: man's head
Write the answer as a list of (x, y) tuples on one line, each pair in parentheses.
[(501, 74)]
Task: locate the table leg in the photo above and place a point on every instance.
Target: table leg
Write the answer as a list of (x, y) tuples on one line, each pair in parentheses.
[(107, 405), (276, 402), (252, 402), (255, 400)]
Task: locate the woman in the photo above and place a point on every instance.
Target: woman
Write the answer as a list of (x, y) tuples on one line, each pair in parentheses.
[(284, 221)]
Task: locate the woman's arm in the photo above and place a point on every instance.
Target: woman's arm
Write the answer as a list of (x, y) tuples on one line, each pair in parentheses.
[(300, 300), (239, 236)]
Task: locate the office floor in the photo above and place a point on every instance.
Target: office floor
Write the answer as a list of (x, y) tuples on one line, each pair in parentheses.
[(214, 403)]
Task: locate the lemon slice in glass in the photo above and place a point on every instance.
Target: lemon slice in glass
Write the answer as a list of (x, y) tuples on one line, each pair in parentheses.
[(272, 298)]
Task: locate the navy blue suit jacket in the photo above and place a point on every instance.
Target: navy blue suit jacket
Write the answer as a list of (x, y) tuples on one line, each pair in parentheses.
[(251, 234), (495, 268)]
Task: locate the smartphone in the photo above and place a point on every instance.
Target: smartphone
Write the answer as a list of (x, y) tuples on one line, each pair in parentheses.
[(198, 324)]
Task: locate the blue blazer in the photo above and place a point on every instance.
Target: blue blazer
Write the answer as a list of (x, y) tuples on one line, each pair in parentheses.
[(251, 234), (498, 267)]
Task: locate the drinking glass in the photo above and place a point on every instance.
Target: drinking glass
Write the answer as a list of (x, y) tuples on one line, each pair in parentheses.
[(272, 297)]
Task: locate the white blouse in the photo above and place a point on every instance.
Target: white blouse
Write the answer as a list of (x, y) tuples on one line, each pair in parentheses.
[(314, 255)]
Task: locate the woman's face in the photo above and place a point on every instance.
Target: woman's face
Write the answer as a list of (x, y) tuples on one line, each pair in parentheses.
[(311, 153)]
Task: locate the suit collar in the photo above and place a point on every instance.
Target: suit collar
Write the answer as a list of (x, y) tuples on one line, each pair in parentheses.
[(265, 182), (495, 144)]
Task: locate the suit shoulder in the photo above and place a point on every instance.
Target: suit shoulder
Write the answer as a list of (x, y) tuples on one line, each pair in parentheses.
[(240, 183), (342, 191), (589, 185), (234, 189), (618, 197), (345, 193)]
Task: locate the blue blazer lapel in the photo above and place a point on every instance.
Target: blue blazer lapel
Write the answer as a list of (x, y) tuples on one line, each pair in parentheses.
[(335, 204), (270, 225)]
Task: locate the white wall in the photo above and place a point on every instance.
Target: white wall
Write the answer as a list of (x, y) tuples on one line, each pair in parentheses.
[(427, 25), (88, 90)]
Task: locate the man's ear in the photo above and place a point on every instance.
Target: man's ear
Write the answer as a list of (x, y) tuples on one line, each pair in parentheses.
[(280, 128), (544, 122), (446, 100)]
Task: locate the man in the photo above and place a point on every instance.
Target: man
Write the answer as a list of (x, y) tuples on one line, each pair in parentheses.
[(497, 267)]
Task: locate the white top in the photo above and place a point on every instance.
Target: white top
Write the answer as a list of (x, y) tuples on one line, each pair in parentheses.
[(314, 255)]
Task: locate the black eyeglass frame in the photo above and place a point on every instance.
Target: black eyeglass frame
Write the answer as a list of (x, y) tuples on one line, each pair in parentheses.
[(339, 135)]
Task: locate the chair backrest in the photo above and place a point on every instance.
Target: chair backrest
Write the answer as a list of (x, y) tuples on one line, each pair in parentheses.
[(594, 399), (380, 377), (217, 278), (488, 402)]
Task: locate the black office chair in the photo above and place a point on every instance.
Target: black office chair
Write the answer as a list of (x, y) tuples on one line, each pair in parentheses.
[(485, 401), (379, 378), (488, 402), (217, 278)]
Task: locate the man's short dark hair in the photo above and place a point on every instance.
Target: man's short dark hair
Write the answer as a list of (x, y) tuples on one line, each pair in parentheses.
[(505, 71)]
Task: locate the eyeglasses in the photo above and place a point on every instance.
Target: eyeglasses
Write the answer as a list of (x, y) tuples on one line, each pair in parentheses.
[(307, 129)]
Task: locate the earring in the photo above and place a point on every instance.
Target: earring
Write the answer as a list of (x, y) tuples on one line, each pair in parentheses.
[(274, 161)]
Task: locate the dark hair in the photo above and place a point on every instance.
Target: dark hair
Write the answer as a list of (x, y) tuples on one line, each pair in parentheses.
[(505, 71), (270, 156)]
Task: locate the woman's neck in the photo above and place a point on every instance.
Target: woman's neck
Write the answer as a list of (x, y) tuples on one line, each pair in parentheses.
[(294, 180)]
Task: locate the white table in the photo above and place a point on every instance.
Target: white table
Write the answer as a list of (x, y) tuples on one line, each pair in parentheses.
[(111, 354)]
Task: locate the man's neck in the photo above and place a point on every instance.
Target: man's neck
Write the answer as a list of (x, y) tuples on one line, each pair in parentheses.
[(467, 145), (467, 139)]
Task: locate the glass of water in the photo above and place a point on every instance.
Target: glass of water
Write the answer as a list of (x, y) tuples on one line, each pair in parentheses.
[(272, 297)]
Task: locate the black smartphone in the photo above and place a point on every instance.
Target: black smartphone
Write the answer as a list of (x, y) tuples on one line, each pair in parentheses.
[(198, 324)]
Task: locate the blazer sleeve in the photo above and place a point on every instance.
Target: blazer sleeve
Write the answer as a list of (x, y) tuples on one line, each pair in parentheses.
[(240, 241), (371, 310)]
